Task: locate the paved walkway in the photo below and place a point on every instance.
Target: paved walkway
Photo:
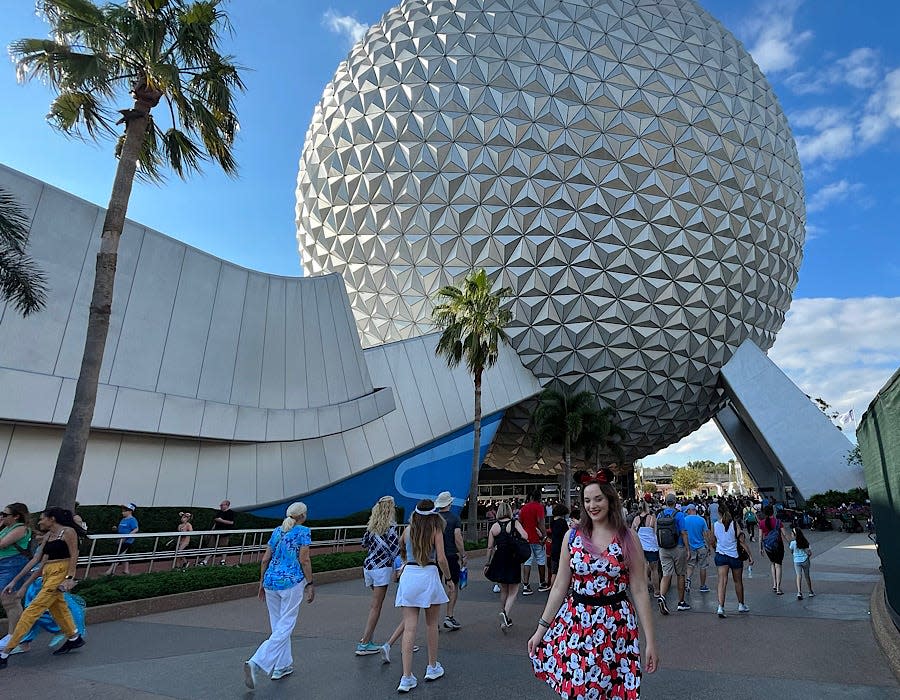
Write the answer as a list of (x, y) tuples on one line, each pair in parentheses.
[(818, 648)]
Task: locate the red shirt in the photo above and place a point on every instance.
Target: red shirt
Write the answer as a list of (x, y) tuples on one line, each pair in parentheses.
[(530, 517)]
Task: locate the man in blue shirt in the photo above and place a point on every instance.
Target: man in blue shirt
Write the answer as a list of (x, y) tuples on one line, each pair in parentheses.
[(698, 542), (128, 525), (673, 560)]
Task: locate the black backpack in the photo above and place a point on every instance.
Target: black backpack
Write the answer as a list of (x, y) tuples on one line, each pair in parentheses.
[(666, 530)]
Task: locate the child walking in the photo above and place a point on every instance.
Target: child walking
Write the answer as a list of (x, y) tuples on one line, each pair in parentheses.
[(802, 553)]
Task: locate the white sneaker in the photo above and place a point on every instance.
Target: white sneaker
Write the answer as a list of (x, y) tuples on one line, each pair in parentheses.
[(385, 653), (280, 673), (250, 674), (743, 608), (407, 683), (432, 673), (721, 612)]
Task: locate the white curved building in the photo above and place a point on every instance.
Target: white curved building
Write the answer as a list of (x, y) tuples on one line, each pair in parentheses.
[(220, 381)]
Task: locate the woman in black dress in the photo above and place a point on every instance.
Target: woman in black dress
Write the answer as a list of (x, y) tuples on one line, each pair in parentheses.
[(503, 565)]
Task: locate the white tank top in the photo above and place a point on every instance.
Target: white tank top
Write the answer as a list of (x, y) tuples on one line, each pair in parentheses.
[(647, 536)]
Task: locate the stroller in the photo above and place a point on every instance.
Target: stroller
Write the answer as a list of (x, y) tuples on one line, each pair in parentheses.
[(821, 523)]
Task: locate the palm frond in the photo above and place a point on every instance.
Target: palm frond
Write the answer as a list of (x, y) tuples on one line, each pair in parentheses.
[(162, 48), (21, 282)]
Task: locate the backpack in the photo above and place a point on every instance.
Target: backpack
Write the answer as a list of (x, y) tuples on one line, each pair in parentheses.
[(750, 517), (511, 541), (772, 540), (666, 530)]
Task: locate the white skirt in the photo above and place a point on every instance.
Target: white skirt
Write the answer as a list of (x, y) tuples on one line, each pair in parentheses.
[(420, 587)]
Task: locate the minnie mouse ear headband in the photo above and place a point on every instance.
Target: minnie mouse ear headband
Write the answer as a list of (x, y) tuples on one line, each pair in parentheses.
[(603, 476)]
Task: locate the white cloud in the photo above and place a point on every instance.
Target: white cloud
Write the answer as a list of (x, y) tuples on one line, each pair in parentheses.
[(345, 25), (829, 143), (773, 41), (829, 194), (882, 110), (842, 350), (860, 69)]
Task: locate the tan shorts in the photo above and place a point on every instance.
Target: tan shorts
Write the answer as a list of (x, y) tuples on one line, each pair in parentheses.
[(698, 558), (673, 561)]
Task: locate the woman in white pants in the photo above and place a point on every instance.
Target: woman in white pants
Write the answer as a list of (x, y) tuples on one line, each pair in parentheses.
[(285, 573)]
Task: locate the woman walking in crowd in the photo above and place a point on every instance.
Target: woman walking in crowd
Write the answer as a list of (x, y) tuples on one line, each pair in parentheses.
[(285, 574), (771, 540), (503, 565), (645, 526), (586, 642), (58, 556), (15, 542), (729, 545), (424, 564), (382, 543), (802, 554), (46, 622), (559, 526)]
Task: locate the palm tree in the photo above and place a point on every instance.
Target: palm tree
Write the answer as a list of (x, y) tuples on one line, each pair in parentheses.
[(157, 51), (569, 421), (21, 283), (473, 329)]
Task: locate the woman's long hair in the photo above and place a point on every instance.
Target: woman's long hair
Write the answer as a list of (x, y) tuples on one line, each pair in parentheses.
[(504, 511), (802, 542), (383, 516), (63, 517), (422, 529), (614, 516), (295, 510), (727, 517), (20, 512)]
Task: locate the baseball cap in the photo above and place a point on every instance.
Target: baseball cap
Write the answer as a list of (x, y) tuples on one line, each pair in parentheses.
[(443, 499), (671, 498), (129, 506), (691, 506)]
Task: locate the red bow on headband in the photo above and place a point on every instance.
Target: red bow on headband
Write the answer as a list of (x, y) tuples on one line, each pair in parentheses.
[(604, 476)]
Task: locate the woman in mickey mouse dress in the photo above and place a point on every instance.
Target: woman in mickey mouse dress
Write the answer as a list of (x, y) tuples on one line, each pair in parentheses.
[(589, 649)]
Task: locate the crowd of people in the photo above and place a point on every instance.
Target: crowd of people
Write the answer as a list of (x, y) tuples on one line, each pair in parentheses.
[(601, 566)]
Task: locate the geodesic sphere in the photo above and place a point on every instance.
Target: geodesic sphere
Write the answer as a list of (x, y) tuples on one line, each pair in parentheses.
[(623, 166)]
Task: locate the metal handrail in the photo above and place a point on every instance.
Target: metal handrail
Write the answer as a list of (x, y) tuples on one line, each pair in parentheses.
[(253, 544)]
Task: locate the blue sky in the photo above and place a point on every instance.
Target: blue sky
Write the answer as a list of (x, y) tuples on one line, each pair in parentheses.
[(835, 66)]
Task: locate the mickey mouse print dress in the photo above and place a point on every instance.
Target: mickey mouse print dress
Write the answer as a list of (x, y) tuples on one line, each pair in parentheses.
[(591, 650)]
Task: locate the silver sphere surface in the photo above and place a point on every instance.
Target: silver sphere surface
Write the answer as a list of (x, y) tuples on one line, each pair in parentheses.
[(622, 165)]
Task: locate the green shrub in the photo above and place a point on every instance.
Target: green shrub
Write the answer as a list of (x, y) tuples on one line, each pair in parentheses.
[(116, 589), (833, 499)]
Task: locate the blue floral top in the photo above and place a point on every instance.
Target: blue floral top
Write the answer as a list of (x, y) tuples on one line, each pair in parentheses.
[(284, 569)]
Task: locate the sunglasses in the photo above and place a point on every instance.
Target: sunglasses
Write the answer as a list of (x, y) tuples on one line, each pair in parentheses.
[(4, 514)]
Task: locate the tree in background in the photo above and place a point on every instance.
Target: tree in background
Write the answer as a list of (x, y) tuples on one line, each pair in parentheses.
[(472, 324), (686, 480), (574, 423), (156, 51), (22, 284)]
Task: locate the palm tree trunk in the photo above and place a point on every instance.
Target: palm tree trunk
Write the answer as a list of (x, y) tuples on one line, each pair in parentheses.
[(69, 462), (472, 519), (567, 472)]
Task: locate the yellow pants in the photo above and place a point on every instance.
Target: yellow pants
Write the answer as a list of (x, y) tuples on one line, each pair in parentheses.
[(50, 598)]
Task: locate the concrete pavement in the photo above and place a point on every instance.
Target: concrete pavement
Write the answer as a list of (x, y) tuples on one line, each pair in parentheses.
[(819, 648)]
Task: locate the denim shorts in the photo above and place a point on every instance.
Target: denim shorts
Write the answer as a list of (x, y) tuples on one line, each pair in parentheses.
[(801, 566), (538, 555), (9, 567), (730, 562)]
